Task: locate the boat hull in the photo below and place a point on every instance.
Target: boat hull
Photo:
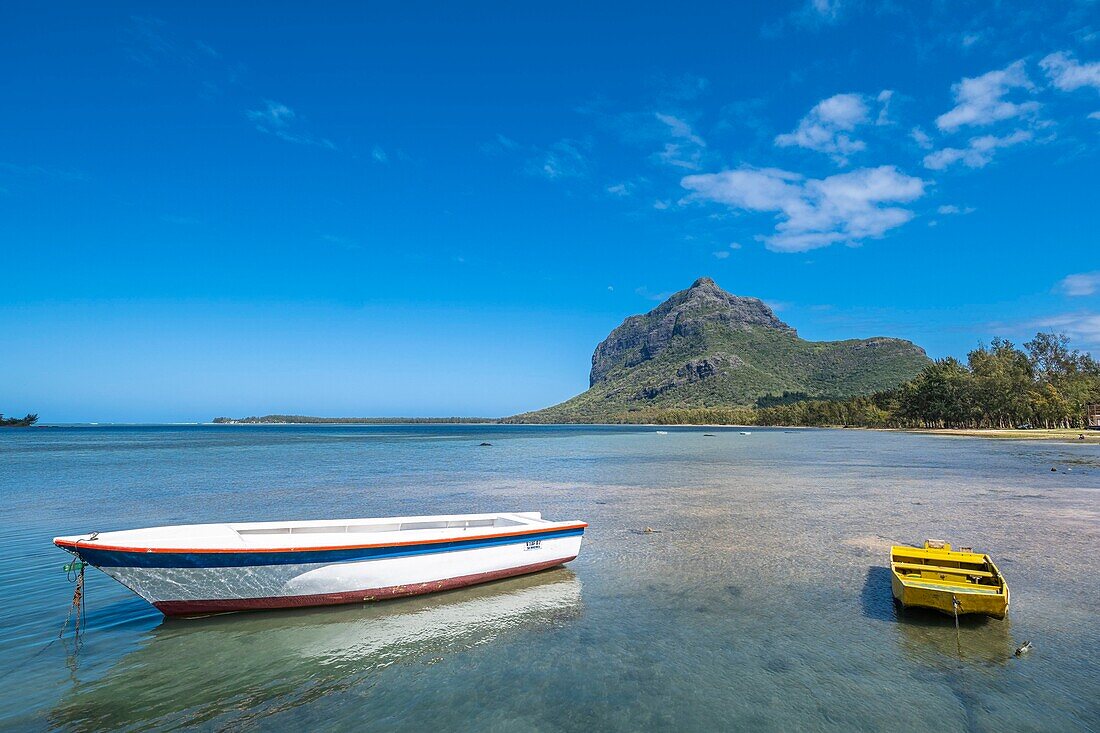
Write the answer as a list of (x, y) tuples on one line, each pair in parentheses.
[(202, 583), (919, 594)]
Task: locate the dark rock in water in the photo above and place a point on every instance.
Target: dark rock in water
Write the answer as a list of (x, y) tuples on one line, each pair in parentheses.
[(485, 445), (1052, 468), (708, 435)]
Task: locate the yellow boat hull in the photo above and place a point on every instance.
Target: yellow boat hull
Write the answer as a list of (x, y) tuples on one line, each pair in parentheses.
[(918, 594), (949, 582)]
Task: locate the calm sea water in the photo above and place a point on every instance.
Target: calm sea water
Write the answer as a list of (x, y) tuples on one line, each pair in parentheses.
[(761, 602)]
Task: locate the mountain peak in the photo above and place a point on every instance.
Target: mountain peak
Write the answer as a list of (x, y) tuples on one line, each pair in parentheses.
[(706, 299)]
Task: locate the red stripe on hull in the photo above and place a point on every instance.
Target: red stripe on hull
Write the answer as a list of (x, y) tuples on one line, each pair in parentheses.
[(229, 605)]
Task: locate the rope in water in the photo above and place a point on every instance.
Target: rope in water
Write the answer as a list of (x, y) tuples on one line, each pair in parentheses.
[(955, 606), (74, 571)]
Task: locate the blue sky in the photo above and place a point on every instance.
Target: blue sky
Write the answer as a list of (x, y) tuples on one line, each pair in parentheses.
[(430, 209)]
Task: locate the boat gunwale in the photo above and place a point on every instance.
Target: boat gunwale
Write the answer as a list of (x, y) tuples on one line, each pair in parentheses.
[(92, 545), (1000, 589)]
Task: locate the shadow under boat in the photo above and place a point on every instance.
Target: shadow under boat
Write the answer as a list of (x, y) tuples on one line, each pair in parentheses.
[(192, 672), (930, 637)]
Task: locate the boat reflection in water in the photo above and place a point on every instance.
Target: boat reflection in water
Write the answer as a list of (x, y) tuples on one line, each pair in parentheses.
[(196, 672), (928, 637)]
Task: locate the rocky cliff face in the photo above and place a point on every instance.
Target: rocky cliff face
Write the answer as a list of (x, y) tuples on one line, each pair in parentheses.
[(704, 347), (681, 319)]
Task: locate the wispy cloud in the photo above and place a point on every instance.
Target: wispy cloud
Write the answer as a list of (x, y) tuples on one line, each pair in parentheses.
[(207, 50), (921, 138), (645, 293), (275, 118), (1068, 74), (1082, 326), (564, 159), (827, 126), (44, 171), (1082, 283), (951, 209), (980, 100), (379, 154), (498, 145), (977, 154), (686, 148), (844, 208)]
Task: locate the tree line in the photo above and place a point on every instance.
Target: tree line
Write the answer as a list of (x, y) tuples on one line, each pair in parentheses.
[(18, 422), (1043, 385)]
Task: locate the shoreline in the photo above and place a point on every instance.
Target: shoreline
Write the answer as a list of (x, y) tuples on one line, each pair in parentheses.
[(1072, 435)]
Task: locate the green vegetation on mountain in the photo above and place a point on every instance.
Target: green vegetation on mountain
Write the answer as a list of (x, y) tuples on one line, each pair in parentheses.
[(1046, 385), (706, 348)]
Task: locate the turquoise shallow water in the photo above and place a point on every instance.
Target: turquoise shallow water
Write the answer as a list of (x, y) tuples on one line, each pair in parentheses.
[(761, 603)]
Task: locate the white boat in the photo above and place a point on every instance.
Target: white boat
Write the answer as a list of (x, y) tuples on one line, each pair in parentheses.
[(199, 569)]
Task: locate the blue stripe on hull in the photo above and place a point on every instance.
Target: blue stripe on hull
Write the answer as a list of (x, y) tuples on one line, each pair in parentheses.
[(122, 559)]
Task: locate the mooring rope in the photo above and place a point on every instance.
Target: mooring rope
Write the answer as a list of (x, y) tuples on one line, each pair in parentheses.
[(955, 606), (74, 571)]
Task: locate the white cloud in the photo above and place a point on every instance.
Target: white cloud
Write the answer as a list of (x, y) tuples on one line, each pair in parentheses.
[(1082, 283), (978, 152), (722, 254), (823, 10), (921, 138), (825, 127), (1083, 326), (980, 100), (661, 204), (279, 120), (686, 149), (884, 98), (812, 213), (681, 129), (620, 189), (1094, 115), (273, 115), (379, 154), (949, 209), (735, 245), (1066, 73), (563, 159)]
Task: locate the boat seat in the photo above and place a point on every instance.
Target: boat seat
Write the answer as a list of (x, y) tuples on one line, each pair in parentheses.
[(938, 569)]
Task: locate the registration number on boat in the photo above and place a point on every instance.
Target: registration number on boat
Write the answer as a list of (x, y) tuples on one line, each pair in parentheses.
[(534, 544)]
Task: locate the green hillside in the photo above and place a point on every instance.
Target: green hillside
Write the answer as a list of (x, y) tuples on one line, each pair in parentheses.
[(704, 347)]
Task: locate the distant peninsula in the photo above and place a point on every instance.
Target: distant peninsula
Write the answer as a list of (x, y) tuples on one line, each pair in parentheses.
[(18, 422), (308, 420)]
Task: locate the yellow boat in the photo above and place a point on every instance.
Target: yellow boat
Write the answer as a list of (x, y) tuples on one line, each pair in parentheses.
[(946, 580)]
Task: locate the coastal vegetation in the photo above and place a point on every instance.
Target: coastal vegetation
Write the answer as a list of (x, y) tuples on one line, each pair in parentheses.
[(1044, 385), (18, 422)]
